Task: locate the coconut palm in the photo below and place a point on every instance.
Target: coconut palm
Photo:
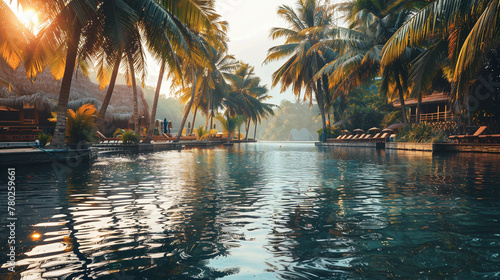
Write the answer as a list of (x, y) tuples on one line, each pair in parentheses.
[(197, 17), (309, 24), (85, 26), (209, 41), (63, 23), (246, 96), (470, 27), (230, 123), (13, 39), (371, 23)]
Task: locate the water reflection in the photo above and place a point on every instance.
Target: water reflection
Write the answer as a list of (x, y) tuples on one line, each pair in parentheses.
[(264, 211)]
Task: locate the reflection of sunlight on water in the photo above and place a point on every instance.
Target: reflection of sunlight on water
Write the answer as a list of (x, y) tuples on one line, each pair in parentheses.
[(263, 211)]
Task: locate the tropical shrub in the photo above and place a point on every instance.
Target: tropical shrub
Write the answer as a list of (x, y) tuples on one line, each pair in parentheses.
[(128, 137), (230, 123), (331, 132), (80, 124), (364, 118), (44, 138), (420, 133), (201, 133)]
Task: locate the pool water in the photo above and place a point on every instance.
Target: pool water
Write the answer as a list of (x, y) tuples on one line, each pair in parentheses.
[(259, 211)]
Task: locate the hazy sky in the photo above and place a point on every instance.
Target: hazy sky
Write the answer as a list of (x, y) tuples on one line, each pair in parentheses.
[(250, 23)]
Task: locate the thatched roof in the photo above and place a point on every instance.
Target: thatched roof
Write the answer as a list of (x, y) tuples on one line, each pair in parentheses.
[(40, 100), (436, 97), (43, 93)]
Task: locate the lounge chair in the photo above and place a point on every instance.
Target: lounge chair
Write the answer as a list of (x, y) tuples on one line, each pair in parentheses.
[(375, 136), (331, 140), (355, 137), (367, 138), (381, 138), (360, 137), (490, 138), (349, 137), (104, 138), (169, 137), (467, 138)]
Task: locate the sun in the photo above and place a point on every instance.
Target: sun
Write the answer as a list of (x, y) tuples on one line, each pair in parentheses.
[(29, 18)]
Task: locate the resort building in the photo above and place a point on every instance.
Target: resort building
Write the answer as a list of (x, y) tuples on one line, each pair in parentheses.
[(25, 110), (436, 107)]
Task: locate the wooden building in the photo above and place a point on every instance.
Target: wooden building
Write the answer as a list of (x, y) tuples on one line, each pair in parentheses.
[(436, 107)]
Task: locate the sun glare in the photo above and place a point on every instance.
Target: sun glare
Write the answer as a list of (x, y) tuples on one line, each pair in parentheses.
[(29, 17)]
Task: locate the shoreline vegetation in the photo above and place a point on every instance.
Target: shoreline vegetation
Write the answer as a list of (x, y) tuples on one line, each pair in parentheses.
[(361, 74)]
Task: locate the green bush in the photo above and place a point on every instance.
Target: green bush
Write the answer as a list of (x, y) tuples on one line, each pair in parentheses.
[(201, 133), (44, 138), (331, 132), (80, 124), (129, 137), (364, 118), (420, 133)]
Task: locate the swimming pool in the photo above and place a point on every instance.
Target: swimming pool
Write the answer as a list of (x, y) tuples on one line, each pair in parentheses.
[(259, 211)]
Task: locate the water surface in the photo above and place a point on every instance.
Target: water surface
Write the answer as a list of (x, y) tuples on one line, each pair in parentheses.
[(260, 211)]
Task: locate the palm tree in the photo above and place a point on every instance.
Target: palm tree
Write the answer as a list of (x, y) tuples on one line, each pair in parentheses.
[(13, 39), (246, 96), (214, 87), (371, 23), (309, 25), (190, 17), (469, 26), (229, 123), (85, 26), (210, 40), (64, 22)]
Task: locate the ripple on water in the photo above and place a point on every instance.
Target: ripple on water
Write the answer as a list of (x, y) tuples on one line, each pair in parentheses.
[(261, 212)]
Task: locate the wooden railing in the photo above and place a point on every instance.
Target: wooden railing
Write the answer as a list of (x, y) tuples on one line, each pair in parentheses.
[(434, 117)]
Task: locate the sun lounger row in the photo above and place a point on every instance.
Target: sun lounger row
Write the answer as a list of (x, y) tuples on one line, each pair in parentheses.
[(156, 138), (379, 137), (477, 137)]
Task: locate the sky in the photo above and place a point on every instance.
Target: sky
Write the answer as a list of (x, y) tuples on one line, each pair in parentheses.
[(250, 23)]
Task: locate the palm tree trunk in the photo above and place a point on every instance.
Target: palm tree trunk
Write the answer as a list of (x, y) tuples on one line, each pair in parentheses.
[(419, 105), (59, 138), (319, 100), (155, 104), (247, 128), (134, 90), (255, 131), (188, 108), (107, 98), (402, 100), (211, 120), (194, 119)]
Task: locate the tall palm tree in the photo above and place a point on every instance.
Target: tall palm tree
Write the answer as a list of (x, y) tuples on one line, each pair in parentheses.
[(309, 24), (246, 96), (470, 27), (210, 41), (371, 23), (193, 17), (13, 39), (63, 23)]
